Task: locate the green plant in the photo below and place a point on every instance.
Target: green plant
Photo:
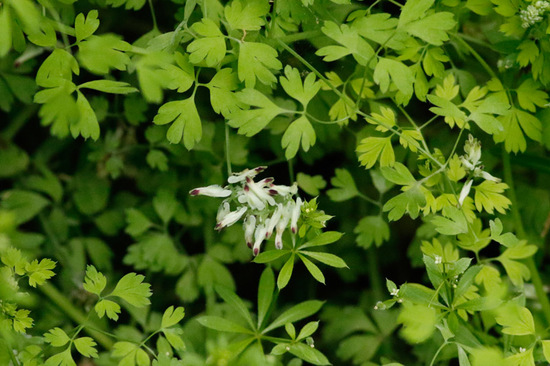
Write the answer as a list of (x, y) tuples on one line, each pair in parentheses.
[(113, 110)]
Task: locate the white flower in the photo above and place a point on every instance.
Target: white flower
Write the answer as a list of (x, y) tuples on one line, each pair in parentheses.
[(488, 176), (223, 210), (231, 218), (239, 177), (249, 227), (283, 190), (438, 259), (213, 190), (295, 215), (394, 292), (258, 191), (465, 191), (249, 198), (274, 220), (259, 238)]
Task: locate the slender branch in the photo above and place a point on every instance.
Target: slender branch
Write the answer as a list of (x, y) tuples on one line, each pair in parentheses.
[(227, 151), (18, 122), (155, 26), (291, 38), (477, 56)]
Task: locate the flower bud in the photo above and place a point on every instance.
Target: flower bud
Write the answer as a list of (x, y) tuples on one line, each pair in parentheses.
[(213, 190)]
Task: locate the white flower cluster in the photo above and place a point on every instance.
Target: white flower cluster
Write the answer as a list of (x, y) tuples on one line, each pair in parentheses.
[(471, 161), (533, 13), (265, 207)]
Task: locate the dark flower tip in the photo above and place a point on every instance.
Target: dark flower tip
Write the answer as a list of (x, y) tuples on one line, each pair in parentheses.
[(256, 251), (249, 244), (272, 192), (194, 192)]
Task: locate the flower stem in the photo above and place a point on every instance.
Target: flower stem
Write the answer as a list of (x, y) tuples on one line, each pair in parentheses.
[(520, 231), (227, 151)]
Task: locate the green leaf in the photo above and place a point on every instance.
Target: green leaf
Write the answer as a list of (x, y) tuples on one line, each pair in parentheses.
[(295, 313), (24, 205), (109, 86), (132, 289), (313, 269), (398, 174), (87, 124), (251, 121), (86, 347), (13, 258), (285, 273), (99, 54), (138, 223), (270, 255), (235, 302), (165, 204), (94, 281), (328, 237), (466, 280), (308, 330), (111, 308), (310, 185), (432, 28), (453, 221), (326, 258), (401, 76), (211, 48), (13, 160), (246, 15), (351, 43), (56, 337), (410, 201), (61, 359), (256, 60), (172, 316), (186, 122), (372, 229), (222, 325), (299, 130), (344, 186), (5, 30), (91, 193), (419, 294), (515, 320), (418, 322), (515, 124), (265, 293), (308, 354), (530, 96), (39, 272), (128, 4), (222, 97), (85, 27), (488, 197), (413, 10), (373, 148), (292, 84), (173, 335), (130, 353), (546, 349)]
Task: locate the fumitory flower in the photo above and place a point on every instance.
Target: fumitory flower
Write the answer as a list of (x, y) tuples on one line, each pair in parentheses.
[(264, 206)]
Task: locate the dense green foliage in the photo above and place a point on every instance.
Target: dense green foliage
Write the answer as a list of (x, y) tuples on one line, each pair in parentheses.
[(417, 133)]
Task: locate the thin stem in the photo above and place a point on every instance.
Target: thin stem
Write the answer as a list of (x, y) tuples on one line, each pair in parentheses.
[(18, 122), (477, 56), (153, 14), (75, 314), (227, 151), (291, 38), (291, 171), (437, 353), (520, 230), (370, 200), (374, 273)]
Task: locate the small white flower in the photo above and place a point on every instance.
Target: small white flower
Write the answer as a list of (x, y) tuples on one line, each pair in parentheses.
[(274, 220), (223, 210), (488, 176), (213, 190), (249, 198), (231, 218), (259, 238), (465, 191), (283, 190), (521, 350), (239, 177), (295, 215), (394, 292), (249, 227), (256, 189), (438, 259)]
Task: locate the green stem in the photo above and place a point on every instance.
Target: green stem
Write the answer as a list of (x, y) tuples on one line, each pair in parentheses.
[(75, 314), (477, 56), (437, 353), (291, 38), (520, 230), (374, 273), (18, 122), (227, 151), (153, 14)]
